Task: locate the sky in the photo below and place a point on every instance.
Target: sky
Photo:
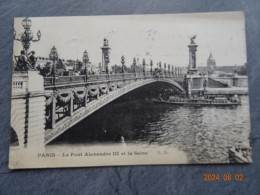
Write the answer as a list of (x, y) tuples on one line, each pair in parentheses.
[(163, 38)]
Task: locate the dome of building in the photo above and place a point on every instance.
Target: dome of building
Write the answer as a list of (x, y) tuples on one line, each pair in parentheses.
[(211, 64), (211, 59)]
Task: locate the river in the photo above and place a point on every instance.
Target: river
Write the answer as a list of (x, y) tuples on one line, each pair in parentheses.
[(202, 133)]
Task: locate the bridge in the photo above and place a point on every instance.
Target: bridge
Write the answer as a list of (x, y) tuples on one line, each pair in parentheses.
[(45, 107)]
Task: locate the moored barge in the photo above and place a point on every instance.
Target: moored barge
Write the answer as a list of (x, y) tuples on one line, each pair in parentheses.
[(200, 101)]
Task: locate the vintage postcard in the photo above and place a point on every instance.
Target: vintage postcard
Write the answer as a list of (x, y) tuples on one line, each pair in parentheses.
[(129, 90)]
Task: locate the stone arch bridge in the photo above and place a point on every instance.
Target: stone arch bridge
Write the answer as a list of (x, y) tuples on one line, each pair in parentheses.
[(44, 108)]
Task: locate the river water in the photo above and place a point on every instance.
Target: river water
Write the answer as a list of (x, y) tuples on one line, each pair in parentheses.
[(204, 134)]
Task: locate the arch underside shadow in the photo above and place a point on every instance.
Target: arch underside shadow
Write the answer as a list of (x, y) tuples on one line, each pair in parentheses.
[(95, 105), (14, 140)]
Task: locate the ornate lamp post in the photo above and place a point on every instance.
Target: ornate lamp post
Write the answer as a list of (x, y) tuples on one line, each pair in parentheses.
[(54, 57), (123, 64), (165, 69), (85, 60), (27, 36), (151, 64), (134, 64), (172, 70), (26, 39), (160, 67), (144, 67), (169, 68)]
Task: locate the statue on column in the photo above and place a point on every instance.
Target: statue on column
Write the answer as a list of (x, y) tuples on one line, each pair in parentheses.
[(25, 62), (192, 39), (32, 59), (192, 69), (105, 42)]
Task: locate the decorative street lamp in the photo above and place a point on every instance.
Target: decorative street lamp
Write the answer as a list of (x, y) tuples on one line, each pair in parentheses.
[(134, 64), (26, 61), (176, 73), (54, 57), (27, 36), (144, 66), (165, 69), (172, 70), (160, 66), (85, 60), (151, 64), (123, 64), (169, 68)]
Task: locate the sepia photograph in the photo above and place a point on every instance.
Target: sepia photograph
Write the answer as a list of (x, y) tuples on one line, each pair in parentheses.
[(129, 90)]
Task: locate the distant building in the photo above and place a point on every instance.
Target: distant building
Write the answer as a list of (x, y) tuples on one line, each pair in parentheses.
[(211, 64), (221, 70), (42, 61)]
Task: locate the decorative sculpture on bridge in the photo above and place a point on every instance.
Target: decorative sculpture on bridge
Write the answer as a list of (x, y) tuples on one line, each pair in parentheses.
[(105, 57), (192, 56), (26, 61), (192, 39)]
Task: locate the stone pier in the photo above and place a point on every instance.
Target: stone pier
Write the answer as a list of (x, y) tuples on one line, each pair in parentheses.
[(28, 109)]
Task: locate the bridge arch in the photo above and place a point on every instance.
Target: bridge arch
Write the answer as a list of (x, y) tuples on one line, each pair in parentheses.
[(101, 101)]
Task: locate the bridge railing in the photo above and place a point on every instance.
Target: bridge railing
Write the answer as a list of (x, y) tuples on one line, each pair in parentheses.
[(48, 81), (98, 77), (116, 76), (62, 80), (130, 76)]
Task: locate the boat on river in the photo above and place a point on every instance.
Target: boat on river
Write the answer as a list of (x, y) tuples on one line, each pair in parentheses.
[(240, 154), (201, 101)]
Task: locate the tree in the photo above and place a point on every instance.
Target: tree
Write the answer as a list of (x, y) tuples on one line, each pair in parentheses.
[(116, 69), (60, 64), (79, 65), (243, 70), (45, 70)]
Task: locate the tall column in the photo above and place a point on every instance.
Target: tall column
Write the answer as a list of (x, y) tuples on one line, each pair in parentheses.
[(105, 57), (192, 69)]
